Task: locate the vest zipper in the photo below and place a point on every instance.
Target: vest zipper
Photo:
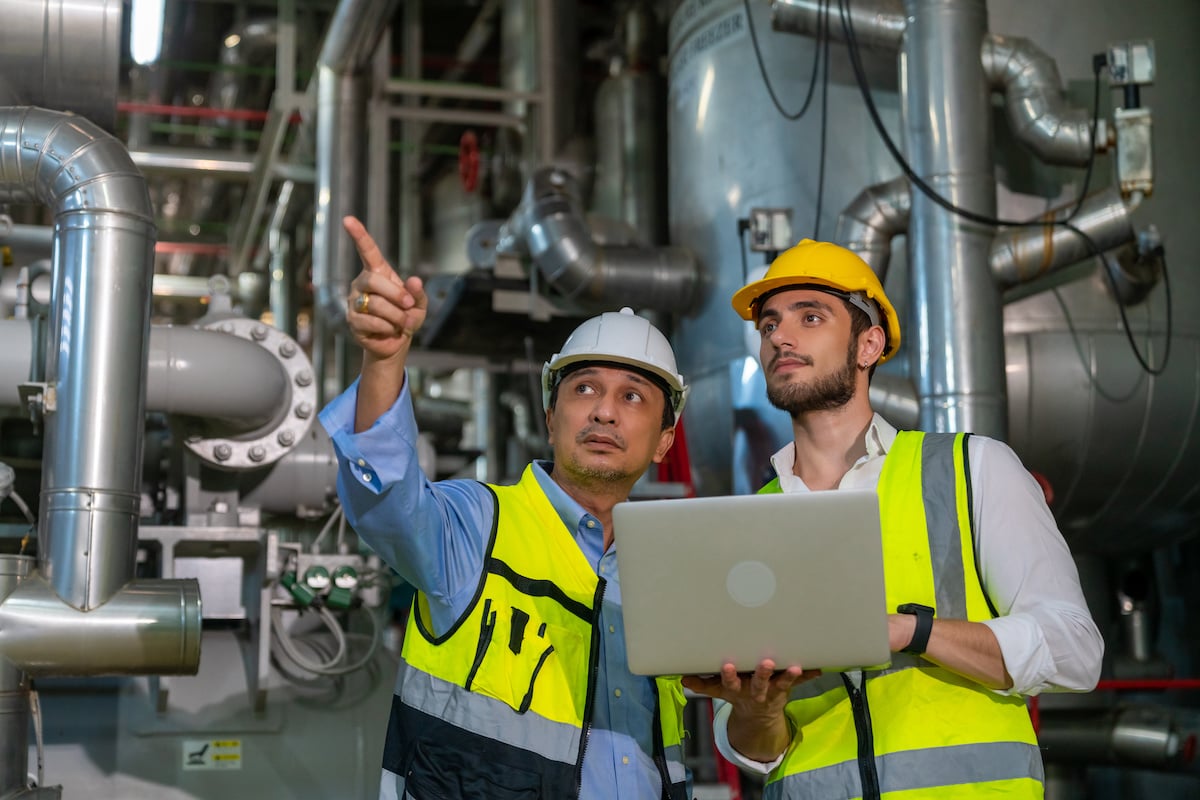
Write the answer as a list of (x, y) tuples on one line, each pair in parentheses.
[(660, 751), (589, 704), (868, 774)]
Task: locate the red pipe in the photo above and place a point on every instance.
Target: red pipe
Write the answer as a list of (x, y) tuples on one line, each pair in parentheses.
[(1148, 684)]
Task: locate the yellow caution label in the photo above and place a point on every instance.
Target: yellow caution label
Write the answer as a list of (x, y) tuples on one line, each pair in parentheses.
[(212, 754)]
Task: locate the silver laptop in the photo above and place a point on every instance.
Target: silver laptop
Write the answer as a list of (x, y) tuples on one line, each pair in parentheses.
[(797, 578)]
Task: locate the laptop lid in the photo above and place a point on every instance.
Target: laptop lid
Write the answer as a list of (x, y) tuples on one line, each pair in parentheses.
[(797, 578)]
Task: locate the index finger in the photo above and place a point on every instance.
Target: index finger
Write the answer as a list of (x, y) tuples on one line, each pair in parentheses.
[(368, 251)]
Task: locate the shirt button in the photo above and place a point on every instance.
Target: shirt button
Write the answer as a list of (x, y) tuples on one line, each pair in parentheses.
[(612, 629), (362, 462), (617, 692), (591, 523), (624, 759), (366, 477)]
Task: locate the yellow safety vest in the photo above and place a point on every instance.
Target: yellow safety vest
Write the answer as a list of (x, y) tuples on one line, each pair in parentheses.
[(499, 705), (914, 731)]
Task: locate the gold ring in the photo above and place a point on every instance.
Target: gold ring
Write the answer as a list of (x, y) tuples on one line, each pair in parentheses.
[(360, 305)]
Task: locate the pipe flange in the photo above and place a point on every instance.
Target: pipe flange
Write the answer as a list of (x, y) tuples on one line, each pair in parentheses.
[(269, 444)]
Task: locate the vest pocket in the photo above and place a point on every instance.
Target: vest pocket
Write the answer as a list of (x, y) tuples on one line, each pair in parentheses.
[(529, 663), (437, 773)]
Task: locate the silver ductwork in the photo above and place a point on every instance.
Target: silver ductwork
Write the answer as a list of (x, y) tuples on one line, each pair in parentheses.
[(876, 216), (1037, 110), (41, 42), (1147, 737), (81, 612), (955, 334), (1020, 255), (549, 227), (877, 23), (353, 34)]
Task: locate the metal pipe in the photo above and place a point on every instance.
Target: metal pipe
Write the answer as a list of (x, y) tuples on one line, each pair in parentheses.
[(14, 693), (459, 116), (1037, 109), (549, 227), (895, 398), (146, 627), (877, 23), (958, 357), (63, 54), (227, 166), (1020, 255), (1136, 736), (873, 218), (460, 91), (341, 110), (189, 371), (95, 361)]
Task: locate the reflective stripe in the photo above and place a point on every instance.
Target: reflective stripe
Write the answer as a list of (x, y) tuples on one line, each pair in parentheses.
[(938, 492), (486, 716), (947, 767), (676, 771)]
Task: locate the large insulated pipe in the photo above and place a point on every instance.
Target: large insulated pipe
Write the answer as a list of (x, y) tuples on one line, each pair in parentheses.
[(873, 218), (550, 228), (146, 627), (63, 54), (1020, 255), (94, 399), (877, 23), (354, 32), (1037, 109), (957, 356)]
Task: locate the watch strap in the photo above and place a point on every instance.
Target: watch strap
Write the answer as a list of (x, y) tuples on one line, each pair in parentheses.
[(924, 626)]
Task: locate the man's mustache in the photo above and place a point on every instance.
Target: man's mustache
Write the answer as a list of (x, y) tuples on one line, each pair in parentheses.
[(592, 430), (803, 359)]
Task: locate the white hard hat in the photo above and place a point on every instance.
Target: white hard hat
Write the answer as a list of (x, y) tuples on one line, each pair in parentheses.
[(620, 337)]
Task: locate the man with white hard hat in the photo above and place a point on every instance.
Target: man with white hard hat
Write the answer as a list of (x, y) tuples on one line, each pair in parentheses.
[(513, 680)]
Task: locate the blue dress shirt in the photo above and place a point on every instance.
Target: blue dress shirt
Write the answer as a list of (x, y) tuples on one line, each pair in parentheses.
[(434, 534)]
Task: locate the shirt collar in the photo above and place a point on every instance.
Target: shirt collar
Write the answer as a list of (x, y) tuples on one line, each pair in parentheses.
[(567, 508), (879, 439)]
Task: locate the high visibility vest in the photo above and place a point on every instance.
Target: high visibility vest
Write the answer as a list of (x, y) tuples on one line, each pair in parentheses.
[(914, 731), (500, 704)]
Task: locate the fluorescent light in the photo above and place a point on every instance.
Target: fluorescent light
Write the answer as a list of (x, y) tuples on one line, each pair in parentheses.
[(145, 31)]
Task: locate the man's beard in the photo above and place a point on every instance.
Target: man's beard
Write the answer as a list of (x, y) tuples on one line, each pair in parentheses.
[(821, 394)]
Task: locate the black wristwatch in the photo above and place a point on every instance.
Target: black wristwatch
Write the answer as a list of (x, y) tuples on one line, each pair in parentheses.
[(920, 637)]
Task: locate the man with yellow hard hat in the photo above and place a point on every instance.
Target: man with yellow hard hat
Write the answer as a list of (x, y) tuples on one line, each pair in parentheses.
[(986, 598)]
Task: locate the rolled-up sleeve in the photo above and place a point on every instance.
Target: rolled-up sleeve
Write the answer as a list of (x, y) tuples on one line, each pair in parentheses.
[(1045, 631)]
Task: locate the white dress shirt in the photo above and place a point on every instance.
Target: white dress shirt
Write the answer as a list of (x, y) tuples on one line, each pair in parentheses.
[(1045, 631)]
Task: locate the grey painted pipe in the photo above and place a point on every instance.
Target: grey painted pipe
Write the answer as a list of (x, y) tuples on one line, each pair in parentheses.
[(190, 372), (957, 328), (1023, 254), (1037, 109), (873, 218)]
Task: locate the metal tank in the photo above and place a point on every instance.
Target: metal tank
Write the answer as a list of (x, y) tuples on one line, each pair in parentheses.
[(731, 151), (1115, 444)]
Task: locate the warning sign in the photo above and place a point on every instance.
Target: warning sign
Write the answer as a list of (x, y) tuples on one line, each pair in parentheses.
[(212, 754)]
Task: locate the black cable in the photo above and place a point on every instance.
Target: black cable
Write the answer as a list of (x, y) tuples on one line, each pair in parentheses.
[(865, 89), (1094, 249), (762, 69), (823, 35)]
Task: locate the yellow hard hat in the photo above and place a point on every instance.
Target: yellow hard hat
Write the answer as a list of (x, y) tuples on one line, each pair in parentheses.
[(825, 266)]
